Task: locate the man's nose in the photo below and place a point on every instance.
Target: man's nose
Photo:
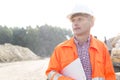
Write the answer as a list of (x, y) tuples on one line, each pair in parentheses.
[(75, 24)]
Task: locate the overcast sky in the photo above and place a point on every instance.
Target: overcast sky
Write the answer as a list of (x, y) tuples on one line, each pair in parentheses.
[(23, 13)]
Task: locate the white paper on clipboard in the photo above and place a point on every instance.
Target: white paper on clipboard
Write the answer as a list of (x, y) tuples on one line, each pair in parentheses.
[(74, 70)]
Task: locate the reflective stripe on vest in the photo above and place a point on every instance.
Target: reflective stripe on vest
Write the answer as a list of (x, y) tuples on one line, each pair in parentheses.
[(98, 78), (53, 75), (57, 76)]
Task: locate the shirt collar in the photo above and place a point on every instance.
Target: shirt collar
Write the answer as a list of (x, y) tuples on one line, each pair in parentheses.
[(78, 43), (92, 42)]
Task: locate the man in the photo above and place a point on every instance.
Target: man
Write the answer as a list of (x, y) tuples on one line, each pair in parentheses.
[(92, 53)]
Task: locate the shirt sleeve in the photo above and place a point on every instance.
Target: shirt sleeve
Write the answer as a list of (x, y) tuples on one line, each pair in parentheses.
[(53, 70)]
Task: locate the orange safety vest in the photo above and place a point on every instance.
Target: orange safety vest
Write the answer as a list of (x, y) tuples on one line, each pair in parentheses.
[(66, 52)]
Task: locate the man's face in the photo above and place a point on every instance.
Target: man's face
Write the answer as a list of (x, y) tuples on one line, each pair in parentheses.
[(81, 24)]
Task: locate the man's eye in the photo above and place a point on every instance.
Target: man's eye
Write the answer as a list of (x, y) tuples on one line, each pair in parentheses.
[(79, 19), (72, 20)]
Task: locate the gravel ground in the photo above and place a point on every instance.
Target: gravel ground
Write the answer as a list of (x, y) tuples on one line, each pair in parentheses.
[(27, 70), (24, 70)]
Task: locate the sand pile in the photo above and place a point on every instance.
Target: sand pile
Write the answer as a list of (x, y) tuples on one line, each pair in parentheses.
[(11, 53)]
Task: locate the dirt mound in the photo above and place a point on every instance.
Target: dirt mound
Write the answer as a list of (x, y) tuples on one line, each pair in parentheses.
[(10, 53)]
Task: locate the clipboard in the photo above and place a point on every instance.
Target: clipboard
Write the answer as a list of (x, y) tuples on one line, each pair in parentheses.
[(74, 70)]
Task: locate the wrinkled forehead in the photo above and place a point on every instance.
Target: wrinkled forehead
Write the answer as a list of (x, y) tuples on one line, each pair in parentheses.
[(81, 14)]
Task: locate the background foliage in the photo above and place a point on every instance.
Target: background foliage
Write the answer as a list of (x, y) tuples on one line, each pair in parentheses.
[(41, 39)]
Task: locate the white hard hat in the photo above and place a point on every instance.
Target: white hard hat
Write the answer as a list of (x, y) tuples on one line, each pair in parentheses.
[(81, 9)]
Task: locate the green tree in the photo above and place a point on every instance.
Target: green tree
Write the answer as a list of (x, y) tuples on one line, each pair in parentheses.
[(5, 35), (49, 37), (41, 40), (19, 36)]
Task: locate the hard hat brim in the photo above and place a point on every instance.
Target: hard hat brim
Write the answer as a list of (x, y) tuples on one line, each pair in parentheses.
[(80, 9)]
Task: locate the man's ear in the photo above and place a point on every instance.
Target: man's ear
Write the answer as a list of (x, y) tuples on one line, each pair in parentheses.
[(92, 21)]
